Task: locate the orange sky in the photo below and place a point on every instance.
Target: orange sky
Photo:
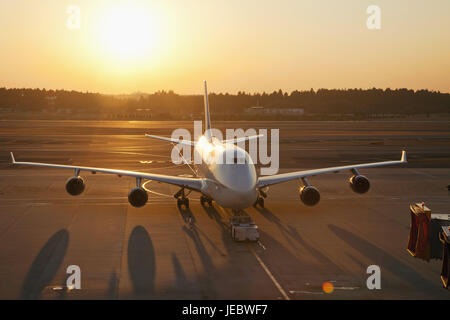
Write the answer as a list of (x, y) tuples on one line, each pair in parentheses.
[(255, 46)]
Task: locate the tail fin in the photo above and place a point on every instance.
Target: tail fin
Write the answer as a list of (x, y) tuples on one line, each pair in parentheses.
[(207, 117)]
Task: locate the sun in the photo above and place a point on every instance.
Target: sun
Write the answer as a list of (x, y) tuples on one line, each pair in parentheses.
[(128, 31)]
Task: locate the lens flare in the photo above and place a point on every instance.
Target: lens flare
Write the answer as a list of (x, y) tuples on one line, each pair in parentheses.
[(327, 287)]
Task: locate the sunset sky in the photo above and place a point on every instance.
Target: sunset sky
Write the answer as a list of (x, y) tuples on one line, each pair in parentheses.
[(247, 45)]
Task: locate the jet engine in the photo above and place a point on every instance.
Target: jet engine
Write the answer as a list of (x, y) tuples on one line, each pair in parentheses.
[(138, 197), (309, 195), (75, 186), (359, 184)]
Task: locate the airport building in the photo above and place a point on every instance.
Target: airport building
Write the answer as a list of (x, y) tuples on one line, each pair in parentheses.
[(258, 110)]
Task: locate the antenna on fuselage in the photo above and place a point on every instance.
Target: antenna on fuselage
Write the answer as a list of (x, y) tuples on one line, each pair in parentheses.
[(207, 132)]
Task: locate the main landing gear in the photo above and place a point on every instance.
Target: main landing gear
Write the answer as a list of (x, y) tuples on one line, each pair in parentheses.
[(205, 199), (260, 200), (182, 200)]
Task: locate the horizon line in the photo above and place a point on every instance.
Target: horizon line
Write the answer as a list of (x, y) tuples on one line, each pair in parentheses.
[(230, 93)]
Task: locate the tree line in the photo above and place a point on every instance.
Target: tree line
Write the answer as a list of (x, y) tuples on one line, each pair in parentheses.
[(321, 101)]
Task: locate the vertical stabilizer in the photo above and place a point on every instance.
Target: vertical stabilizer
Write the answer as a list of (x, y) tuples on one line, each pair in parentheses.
[(207, 117)]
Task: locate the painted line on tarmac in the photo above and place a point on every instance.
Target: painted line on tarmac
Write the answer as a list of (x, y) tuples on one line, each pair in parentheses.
[(426, 174), (266, 269), (262, 264)]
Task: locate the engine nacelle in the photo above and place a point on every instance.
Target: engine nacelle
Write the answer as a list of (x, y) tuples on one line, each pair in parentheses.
[(75, 186), (359, 184), (138, 197), (309, 195)]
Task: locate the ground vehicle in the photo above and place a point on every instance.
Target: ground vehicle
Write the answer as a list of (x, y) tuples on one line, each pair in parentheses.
[(243, 228)]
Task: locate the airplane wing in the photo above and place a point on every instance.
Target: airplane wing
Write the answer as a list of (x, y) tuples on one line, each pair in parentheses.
[(190, 183), (236, 140), (185, 142), (278, 178), (192, 143)]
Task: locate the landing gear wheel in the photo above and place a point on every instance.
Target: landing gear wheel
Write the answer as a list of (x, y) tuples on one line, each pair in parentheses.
[(181, 199), (183, 202), (203, 199), (260, 202)]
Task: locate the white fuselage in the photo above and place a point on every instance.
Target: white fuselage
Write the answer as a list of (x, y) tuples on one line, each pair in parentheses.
[(229, 171)]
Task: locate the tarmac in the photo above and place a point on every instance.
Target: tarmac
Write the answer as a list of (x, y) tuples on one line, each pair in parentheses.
[(161, 252)]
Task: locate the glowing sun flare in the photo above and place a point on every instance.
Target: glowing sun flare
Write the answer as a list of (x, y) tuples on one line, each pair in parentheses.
[(128, 32)]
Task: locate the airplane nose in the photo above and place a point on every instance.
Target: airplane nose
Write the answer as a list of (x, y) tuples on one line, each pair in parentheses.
[(238, 177), (244, 178)]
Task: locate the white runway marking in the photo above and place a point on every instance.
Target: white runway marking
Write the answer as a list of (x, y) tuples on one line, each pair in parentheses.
[(262, 264), (266, 269), (305, 292), (321, 292), (426, 174), (261, 245)]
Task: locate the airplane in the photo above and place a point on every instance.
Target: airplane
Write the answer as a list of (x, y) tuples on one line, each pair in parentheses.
[(231, 185)]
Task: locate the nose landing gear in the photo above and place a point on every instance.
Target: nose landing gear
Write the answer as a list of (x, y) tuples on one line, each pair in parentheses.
[(260, 200)]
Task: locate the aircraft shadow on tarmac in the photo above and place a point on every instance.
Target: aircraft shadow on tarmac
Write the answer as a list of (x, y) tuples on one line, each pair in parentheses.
[(210, 282), (112, 291), (212, 279), (180, 277), (187, 215), (386, 261), (290, 233), (45, 265), (141, 263)]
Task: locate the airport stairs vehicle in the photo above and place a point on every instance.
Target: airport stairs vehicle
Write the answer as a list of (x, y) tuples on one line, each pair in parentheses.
[(429, 237), (445, 271)]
